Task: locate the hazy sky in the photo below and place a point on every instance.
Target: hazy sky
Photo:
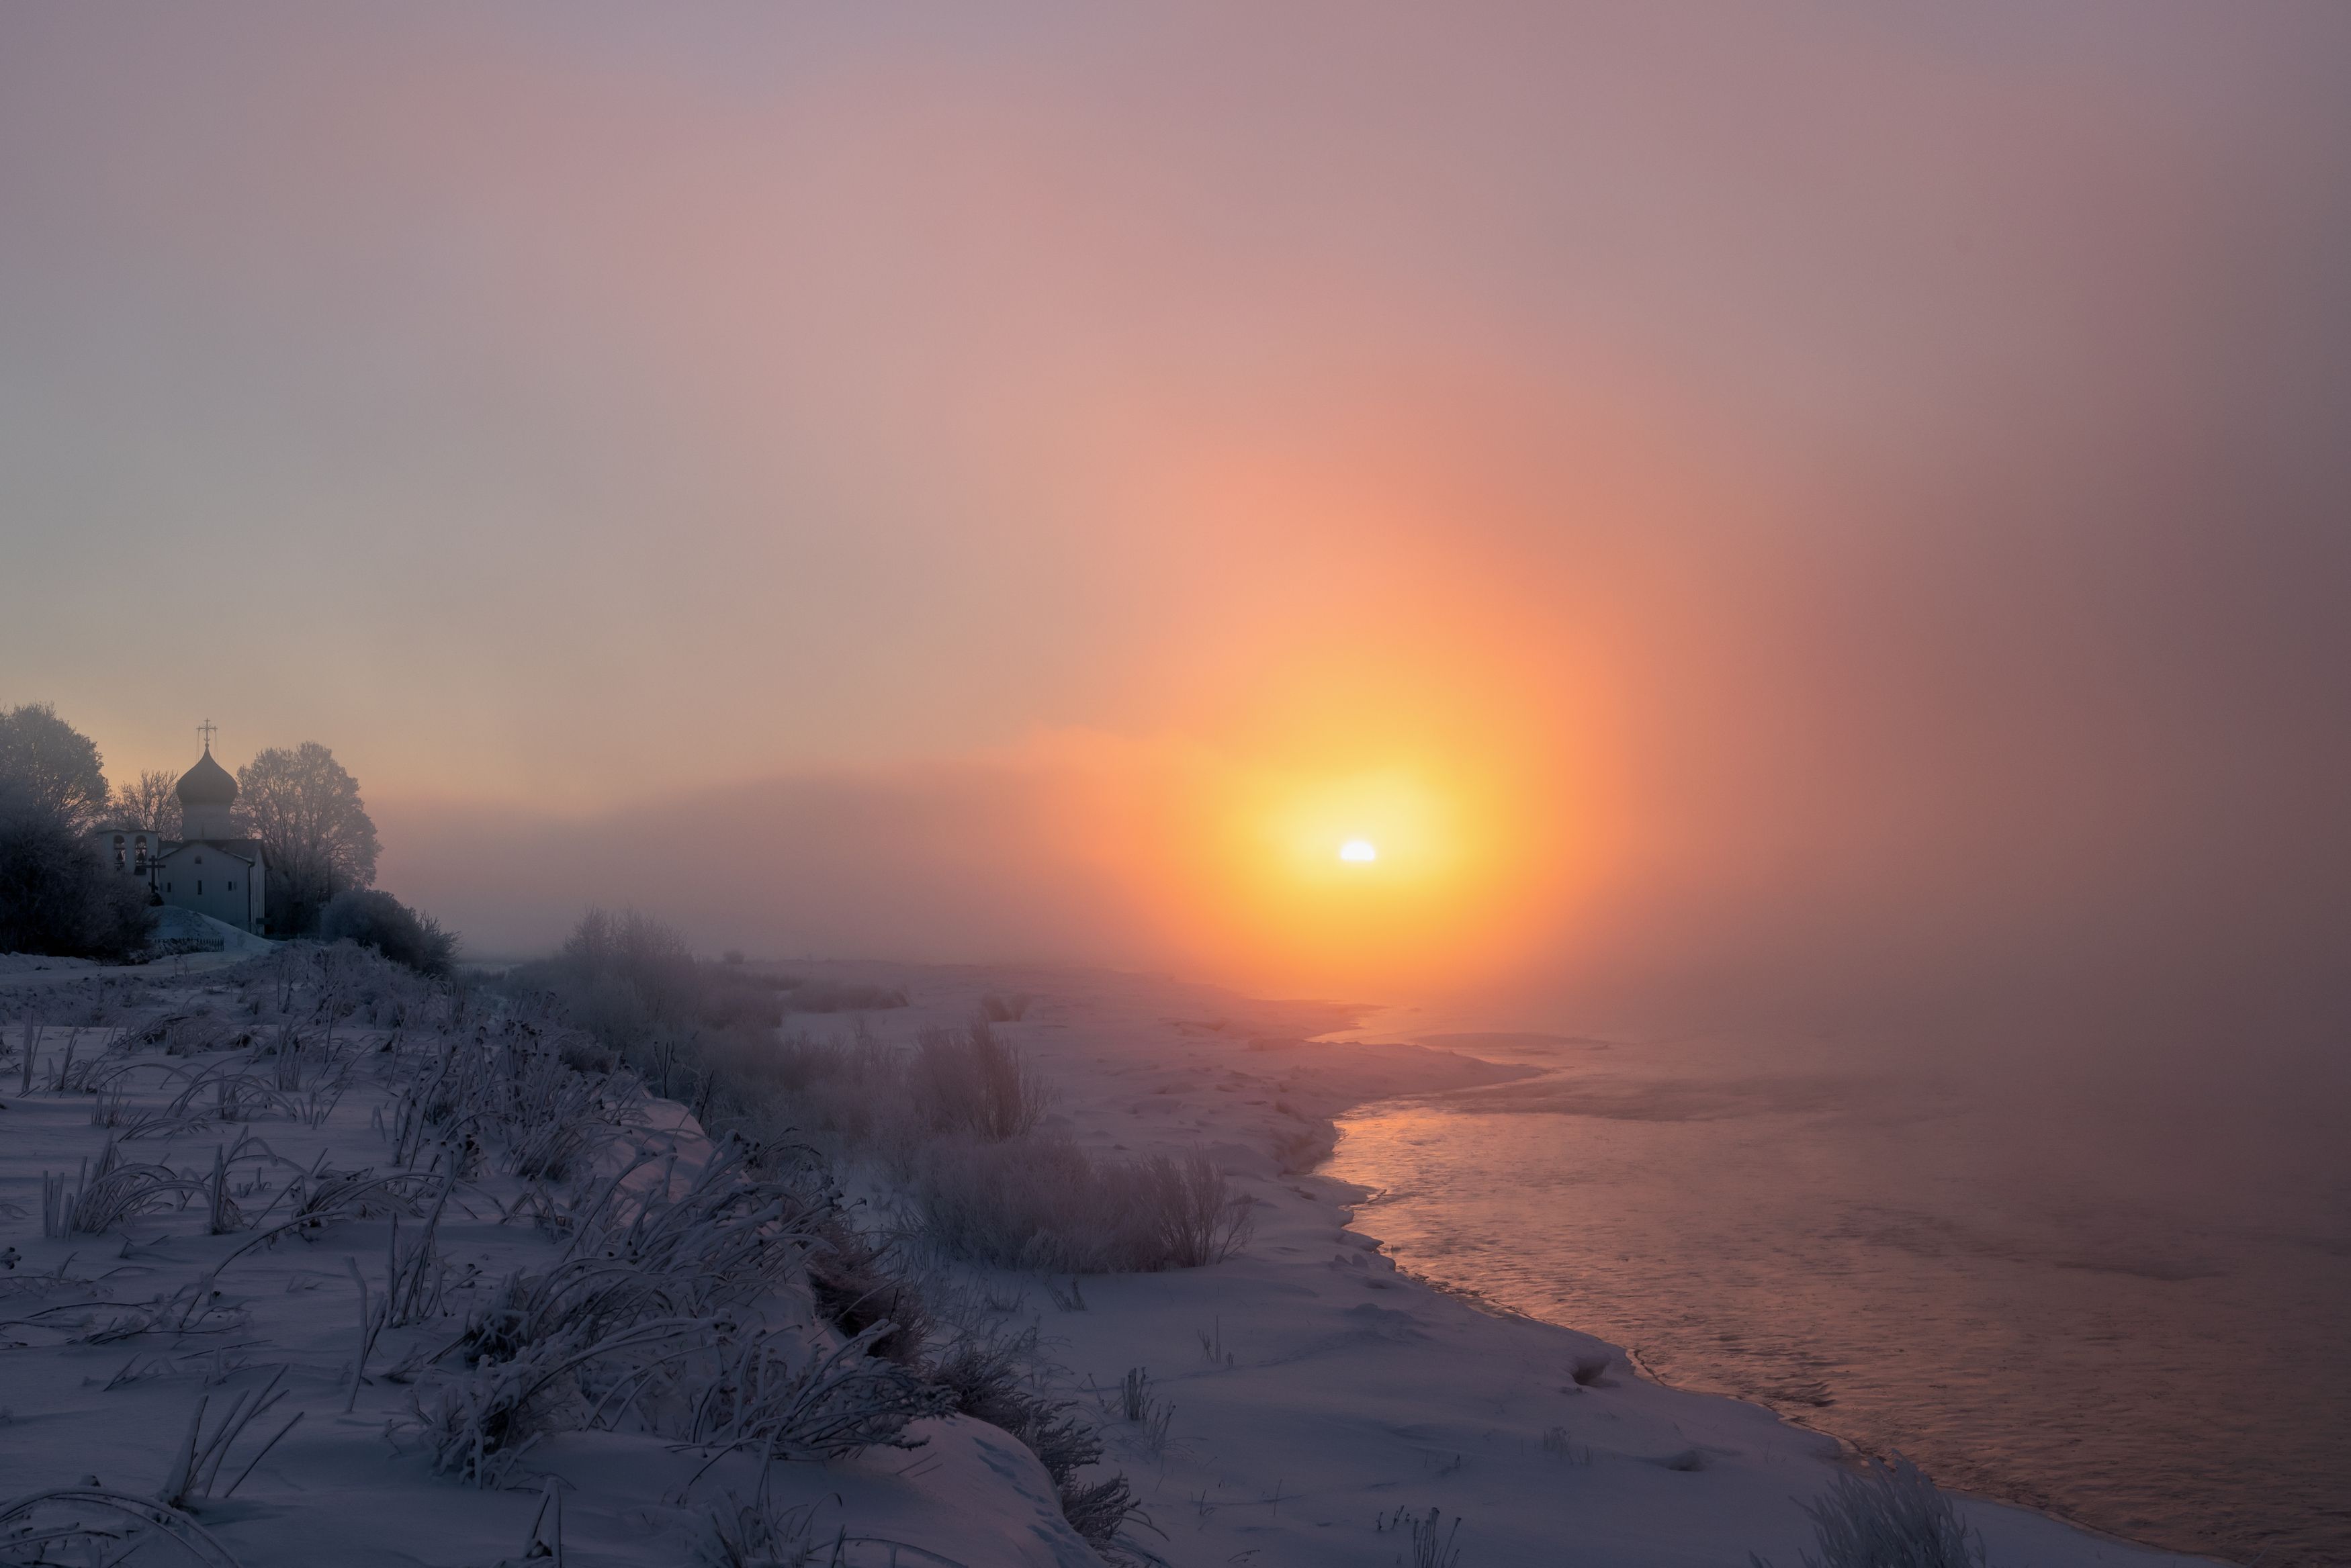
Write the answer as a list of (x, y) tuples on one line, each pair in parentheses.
[(1806, 508)]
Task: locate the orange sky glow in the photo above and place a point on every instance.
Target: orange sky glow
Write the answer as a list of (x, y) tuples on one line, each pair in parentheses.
[(1741, 508)]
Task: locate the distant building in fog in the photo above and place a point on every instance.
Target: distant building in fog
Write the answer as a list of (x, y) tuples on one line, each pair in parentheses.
[(213, 867)]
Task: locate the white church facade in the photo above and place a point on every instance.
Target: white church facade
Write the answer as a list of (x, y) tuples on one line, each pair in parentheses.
[(213, 867)]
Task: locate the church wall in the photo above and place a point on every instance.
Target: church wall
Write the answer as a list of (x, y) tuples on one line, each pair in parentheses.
[(212, 883)]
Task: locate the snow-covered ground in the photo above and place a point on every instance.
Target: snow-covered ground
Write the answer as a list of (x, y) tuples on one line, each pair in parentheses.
[(202, 933), (115, 1348), (1302, 1402), (14, 966)]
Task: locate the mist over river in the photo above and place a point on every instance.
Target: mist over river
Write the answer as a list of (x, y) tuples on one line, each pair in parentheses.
[(2123, 1302)]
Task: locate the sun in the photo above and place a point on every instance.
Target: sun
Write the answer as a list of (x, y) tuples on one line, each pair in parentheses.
[(1359, 850)]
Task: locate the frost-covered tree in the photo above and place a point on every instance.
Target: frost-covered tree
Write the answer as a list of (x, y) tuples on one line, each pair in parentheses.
[(55, 897), (153, 803), (314, 830), (374, 918), (48, 765)]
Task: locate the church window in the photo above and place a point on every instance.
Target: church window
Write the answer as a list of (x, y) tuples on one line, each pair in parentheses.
[(232, 886), (200, 887)]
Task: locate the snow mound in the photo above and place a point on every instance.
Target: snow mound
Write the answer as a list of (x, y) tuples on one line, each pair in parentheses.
[(195, 932)]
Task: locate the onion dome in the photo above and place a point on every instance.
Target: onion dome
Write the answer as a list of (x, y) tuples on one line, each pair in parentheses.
[(206, 783)]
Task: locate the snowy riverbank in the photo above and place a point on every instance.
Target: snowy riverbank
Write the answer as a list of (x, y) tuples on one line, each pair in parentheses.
[(1295, 1404), (1313, 1390)]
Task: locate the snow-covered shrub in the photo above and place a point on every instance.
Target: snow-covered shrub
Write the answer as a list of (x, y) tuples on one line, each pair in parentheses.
[(1004, 1009), (971, 1080), (374, 918), (621, 977), (1101, 1512), (771, 1392), (1889, 1516), (730, 1238), (709, 1383), (661, 1311), (760, 1534), (854, 1096), (479, 1424), (1196, 1216), (956, 1120), (510, 1085), (991, 1374), (1042, 1202), (1033, 1204), (857, 1282)]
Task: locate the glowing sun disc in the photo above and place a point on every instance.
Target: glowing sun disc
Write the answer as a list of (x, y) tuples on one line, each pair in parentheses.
[(1358, 850)]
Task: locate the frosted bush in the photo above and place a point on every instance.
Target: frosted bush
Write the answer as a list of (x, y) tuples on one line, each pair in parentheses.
[(974, 1081), (1044, 1203), (1890, 1516)]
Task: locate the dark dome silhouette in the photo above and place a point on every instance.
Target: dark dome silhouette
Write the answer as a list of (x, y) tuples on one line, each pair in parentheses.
[(206, 783)]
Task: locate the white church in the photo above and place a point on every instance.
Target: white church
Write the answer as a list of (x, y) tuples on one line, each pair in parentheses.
[(212, 868)]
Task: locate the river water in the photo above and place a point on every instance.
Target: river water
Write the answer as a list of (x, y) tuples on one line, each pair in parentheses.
[(2127, 1308)]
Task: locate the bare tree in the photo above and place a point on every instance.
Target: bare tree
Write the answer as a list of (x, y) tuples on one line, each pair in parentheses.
[(314, 829), (153, 803), (52, 766)]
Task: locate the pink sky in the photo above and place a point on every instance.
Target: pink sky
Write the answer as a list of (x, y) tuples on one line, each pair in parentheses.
[(1795, 502)]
